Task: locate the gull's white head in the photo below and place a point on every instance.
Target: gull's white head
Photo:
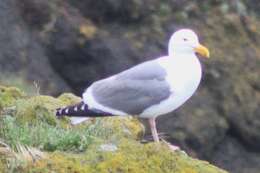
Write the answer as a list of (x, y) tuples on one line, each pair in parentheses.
[(185, 41)]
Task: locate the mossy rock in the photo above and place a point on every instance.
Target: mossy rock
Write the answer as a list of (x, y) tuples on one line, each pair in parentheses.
[(124, 127), (37, 108), (129, 156), (8, 95), (69, 98), (111, 147), (42, 108)]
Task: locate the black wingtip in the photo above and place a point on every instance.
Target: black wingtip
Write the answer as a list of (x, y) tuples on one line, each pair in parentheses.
[(72, 110), (80, 110)]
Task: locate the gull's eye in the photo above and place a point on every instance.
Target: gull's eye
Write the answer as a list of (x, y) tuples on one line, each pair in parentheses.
[(185, 39)]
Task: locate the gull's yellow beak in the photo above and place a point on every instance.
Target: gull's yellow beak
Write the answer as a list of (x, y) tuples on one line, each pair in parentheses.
[(202, 50)]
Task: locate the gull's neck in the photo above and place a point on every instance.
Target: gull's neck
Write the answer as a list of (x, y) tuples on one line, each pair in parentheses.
[(183, 57), (184, 63)]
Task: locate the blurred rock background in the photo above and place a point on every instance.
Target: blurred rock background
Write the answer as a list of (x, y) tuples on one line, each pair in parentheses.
[(66, 45)]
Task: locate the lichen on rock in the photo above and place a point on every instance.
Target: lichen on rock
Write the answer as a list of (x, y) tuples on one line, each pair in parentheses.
[(130, 157), (37, 108), (42, 108)]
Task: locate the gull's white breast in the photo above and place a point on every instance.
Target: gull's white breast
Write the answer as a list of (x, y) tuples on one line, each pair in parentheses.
[(183, 76)]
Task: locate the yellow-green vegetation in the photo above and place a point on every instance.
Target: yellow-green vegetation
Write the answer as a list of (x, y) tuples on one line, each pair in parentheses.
[(8, 95), (68, 98), (131, 156), (36, 141), (2, 166), (37, 108)]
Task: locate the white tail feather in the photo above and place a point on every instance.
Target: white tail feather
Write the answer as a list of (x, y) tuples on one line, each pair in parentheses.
[(78, 120)]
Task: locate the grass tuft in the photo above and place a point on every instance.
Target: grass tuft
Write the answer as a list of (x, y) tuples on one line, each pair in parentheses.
[(47, 137)]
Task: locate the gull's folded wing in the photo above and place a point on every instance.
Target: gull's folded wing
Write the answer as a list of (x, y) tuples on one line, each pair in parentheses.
[(133, 90)]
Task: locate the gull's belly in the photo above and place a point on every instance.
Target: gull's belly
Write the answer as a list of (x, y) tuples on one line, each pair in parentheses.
[(179, 95), (183, 91)]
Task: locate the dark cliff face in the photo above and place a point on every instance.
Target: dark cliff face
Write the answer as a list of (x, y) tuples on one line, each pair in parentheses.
[(69, 45), (22, 55)]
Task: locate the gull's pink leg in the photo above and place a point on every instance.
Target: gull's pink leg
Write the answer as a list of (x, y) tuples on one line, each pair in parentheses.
[(153, 129), (155, 134)]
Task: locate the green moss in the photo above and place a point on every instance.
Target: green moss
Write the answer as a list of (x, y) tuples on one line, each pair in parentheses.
[(8, 95), (34, 123), (37, 108), (130, 156), (42, 108), (123, 127), (68, 98)]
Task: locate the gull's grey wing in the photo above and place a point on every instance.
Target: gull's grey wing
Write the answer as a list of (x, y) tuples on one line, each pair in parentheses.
[(145, 71), (133, 90)]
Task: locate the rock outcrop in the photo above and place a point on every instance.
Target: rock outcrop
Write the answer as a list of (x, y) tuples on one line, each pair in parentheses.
[(28, 125)]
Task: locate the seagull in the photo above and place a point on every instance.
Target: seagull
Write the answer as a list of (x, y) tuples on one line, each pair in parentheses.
[(149, 89)]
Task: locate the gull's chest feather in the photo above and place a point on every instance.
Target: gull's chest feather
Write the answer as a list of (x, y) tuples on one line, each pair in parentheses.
[(183, 76)]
